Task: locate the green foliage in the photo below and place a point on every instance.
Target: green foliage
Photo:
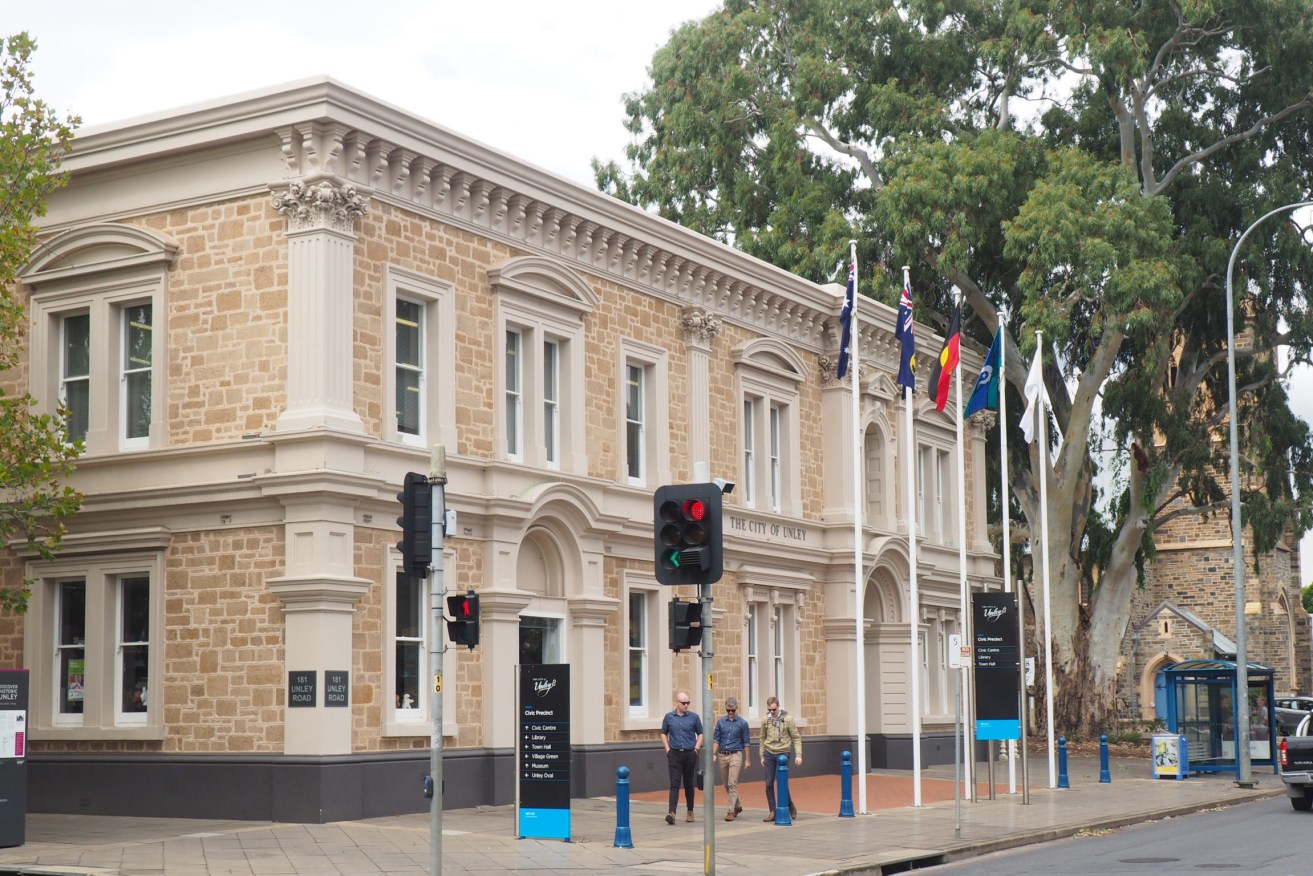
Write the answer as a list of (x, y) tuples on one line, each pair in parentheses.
[(1306, 597), (1086, 165), (35, 460)]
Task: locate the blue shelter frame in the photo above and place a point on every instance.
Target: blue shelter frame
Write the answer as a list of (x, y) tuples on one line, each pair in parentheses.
[(1201, 706)]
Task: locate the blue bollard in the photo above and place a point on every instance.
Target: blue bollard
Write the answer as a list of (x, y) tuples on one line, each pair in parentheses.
[(624, 839), (1062, 763), (846, 785), (1104, 775), (782, 790)]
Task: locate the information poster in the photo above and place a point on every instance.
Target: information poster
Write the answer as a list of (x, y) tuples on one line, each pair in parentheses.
[(13, 757), (997, 667), (543, 794)]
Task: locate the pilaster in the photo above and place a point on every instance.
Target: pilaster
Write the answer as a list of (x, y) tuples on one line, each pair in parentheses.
[(321, 217), (700, 329), (499, 637), (589, 616)]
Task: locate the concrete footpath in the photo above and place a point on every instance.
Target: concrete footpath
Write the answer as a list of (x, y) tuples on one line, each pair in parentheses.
[(894, 837)]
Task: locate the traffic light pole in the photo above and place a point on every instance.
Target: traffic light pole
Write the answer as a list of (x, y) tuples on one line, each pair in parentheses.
[(708, 726), (437, 628)]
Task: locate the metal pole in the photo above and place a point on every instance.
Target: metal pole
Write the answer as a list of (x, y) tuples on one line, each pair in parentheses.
[(708, 763), (437, 597), (1244, 776)]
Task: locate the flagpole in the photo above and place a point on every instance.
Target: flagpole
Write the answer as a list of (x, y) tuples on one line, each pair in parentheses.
[(1042, 425), (968, 748), (914, 609), (1005, 492), (859, 585)]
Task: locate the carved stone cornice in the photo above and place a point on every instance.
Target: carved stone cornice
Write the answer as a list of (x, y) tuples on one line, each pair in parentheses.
[(320, 205), (700, 327)]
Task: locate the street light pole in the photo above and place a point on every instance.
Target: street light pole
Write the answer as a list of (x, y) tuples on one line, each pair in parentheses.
[(1244, 776)]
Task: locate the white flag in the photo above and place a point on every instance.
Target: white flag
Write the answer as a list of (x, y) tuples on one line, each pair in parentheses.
[(1033, 390)]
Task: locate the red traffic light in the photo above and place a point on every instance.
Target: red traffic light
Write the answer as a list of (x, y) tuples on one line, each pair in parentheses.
[(695, 509)]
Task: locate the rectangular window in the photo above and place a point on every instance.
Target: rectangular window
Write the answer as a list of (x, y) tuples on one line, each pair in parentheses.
[(75, 373), (134, 648), (137, 344), (775, 458), (634, 419), (941, 671), (941, 485), (552, 402), (921, 474), (924, 669), (408, 640), (749, 448), (754, 670), (638, 697), (71, 648), (514, 396), (410, 366)]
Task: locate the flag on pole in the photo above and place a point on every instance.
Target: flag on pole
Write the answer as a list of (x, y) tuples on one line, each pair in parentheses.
[(1033, 390), (906, 336), (846, 319), (985, 393), (949, 356)]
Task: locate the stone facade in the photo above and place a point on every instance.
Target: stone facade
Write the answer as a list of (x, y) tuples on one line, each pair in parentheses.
[(325, 289)]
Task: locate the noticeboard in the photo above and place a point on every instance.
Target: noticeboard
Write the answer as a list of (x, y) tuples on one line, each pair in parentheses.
[(543, 790), (13, 756), (997, 667)]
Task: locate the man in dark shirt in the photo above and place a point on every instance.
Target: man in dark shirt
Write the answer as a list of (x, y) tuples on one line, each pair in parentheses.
[(730, 742), (681, 734)]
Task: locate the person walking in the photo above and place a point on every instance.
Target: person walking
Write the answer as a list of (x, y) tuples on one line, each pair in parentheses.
[(681, 734), (779, 735), (730, 742)]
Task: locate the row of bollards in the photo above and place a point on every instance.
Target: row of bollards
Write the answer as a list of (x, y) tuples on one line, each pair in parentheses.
[(624, 838)]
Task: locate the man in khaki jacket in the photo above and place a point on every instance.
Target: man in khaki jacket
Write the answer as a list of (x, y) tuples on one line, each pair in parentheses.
[(779, 735)]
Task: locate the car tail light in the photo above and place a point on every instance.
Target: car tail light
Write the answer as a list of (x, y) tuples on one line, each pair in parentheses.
[(1282, 747)]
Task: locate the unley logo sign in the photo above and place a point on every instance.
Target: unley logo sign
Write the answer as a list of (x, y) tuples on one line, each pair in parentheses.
[(542, 798), (996, 651)]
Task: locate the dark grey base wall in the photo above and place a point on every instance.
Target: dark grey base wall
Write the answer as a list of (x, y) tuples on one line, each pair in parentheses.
[(315, 790)]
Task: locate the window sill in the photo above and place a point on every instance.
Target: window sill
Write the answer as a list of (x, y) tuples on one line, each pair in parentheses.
[(641, 723), (417, 728)]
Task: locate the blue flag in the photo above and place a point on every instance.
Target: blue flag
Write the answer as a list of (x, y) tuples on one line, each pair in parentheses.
[(846, 319), (905, 334), (985, 393)]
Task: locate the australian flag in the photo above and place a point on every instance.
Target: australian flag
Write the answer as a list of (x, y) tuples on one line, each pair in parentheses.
[(906, 336), (846, 319)]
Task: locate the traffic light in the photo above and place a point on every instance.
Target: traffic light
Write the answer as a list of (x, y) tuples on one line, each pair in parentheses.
[(688, 538), (416, 522), (685, 625), (463, 628)]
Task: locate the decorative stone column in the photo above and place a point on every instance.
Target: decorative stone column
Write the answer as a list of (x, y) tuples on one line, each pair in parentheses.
[(589, 616), (837, 434), (499, 638), (700, 328), (974, 438), (321, 217)]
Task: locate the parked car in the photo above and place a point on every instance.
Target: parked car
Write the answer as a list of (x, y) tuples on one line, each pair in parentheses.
[(1290, 711), (1295, 756)]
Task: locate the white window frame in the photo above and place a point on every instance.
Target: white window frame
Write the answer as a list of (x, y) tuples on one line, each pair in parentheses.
[(771, 641), (635, 392), (547, 304), (99, 270), (417, 722), (67, 380), (653, 463), (753, 659), (126, 371), (122, 716), (419, 384), (552, 402), (437, 424), (770, 376), (657, 672), (513, 344), (103, 717)]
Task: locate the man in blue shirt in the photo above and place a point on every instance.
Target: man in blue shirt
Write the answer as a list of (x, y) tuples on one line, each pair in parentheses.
[(730, 742), (681, 734)]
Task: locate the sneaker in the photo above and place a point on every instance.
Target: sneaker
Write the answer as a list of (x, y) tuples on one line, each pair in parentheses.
[(729, 816), (670, 818), (689, 818)]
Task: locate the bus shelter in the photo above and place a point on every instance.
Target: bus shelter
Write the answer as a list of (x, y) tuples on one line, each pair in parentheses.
[(1202, 707)]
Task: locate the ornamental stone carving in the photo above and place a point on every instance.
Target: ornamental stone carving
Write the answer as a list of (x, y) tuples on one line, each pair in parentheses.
[(699, 326), (323, 204)]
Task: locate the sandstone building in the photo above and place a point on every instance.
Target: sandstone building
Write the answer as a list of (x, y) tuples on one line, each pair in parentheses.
[(263, 311)]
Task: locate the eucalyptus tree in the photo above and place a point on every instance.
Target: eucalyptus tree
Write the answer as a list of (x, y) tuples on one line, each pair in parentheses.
[(1087, 165)]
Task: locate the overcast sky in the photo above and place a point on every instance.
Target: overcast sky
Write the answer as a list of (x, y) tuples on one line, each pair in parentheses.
[(541, 81)]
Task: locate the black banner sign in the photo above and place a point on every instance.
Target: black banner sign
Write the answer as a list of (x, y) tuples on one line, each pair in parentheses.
[(337, 687), (301, 688), (996, 663), (544, 781)]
